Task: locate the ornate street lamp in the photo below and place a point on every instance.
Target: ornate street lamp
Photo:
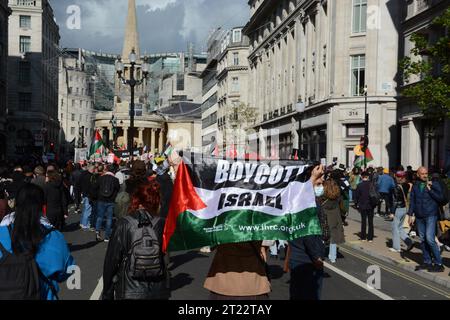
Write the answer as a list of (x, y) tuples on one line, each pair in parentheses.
[(132, 82), (114, 130)]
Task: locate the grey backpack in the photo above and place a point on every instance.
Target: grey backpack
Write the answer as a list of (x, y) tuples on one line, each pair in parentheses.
[(145, 257)]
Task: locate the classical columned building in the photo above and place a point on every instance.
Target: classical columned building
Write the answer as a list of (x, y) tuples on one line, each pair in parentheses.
[(323, 54), (421, 142), (150, 129)]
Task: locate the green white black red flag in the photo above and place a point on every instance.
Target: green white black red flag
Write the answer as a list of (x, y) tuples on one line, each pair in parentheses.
[(219, 201)]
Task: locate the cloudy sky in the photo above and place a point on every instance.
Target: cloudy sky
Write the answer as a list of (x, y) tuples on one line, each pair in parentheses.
[(164, 25)]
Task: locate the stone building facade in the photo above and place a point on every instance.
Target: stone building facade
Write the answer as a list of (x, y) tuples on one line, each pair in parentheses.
[(421, 144), (76, 103), (33, 78), (323, 54)]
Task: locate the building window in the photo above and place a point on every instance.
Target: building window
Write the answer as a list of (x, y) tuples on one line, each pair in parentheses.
[(24, 73), (235, 84), (62, 116), (73, 103), (355, 131), (24, 101), (359, 16), (25, 44), (236, 58), (180, 82), (237, 35), (72, 130), (25, 22), (73, 117), (358, 75)]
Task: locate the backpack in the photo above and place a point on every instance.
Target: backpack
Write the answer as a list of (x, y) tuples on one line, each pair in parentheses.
[(106, 188), (20, 275), (445, 193), (374, 195), (122, 203), (145, 258)]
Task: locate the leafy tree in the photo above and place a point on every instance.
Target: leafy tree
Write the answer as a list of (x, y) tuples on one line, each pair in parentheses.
[(430, 62)]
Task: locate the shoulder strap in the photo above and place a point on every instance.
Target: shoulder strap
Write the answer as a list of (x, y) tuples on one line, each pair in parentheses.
[(3, 251), (41, 275)]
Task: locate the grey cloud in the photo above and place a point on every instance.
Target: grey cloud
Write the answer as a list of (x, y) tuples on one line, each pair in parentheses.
[(164, 25)]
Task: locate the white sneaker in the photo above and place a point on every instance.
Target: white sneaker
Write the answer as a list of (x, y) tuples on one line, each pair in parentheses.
[(205, 250), (394, 250), (413, 234)]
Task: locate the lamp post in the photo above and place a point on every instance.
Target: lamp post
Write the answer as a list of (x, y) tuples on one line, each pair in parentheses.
[(300, 107), (114, 130), (132, 82), (366, 127), (81, 136)]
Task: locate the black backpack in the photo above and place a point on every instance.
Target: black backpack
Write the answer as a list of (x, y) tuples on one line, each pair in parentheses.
[(145, 261), (19, 276), (106, 187), (445, 193), (374, 195)]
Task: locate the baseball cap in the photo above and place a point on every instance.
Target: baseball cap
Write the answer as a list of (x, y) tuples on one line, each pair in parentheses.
[(400, 174)]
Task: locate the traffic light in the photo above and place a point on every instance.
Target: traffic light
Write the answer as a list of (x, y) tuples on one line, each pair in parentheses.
[(52, 147)]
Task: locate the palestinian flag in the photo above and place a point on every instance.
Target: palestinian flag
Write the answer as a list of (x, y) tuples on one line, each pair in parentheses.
[(219, 201), (362, 160), (97, 147)]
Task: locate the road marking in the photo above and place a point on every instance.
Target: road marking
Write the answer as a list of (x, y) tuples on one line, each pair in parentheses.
[(397, 273), (98, 290), (358, 282)]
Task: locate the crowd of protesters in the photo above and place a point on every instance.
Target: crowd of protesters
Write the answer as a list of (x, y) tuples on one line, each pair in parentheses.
[(126, 202)]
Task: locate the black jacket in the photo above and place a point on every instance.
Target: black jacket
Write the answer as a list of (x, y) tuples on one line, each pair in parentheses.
[(107, 179), (166, 193), (56, 203), (362, 198), (75, 180), (39, 181), (18, 180), (85, 183), (116, 283)]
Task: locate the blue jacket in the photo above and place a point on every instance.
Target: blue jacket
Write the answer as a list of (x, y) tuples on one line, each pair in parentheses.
[(425, 203), (53, 258), (385, 183)]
